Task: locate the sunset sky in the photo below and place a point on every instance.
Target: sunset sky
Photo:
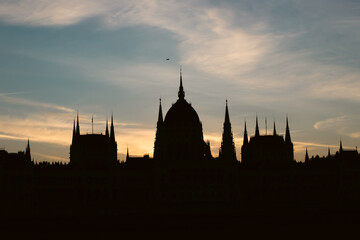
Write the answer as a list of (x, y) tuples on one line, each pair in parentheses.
[(270, 58)]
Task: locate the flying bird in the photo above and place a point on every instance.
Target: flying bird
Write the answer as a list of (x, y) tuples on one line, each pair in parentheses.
[(167, 59)]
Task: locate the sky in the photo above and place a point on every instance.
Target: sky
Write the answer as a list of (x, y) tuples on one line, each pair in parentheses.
[(272, 59)]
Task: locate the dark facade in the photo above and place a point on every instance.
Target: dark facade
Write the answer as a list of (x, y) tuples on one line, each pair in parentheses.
[(93, 150), (267, 150), (342, 158)]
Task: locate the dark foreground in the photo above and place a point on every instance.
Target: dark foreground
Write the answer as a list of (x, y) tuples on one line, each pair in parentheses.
[(329, 224)]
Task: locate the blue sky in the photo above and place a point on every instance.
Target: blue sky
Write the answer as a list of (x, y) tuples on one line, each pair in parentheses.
[(270, 58)]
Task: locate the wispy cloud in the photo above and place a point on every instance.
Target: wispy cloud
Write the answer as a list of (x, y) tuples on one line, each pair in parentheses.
[(208, 39), (341, 125), (312, 144), (355, 135), (49, 13), (330, 123), (5, 97), (48, 128)]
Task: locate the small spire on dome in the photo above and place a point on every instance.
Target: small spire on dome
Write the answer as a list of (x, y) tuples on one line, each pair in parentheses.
[(181, 93)]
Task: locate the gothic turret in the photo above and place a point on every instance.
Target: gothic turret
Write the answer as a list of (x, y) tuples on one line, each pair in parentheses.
[(274, 133), (74, 131), (77, 125), (107, 128), (287, 134), (341, 148), (112, 131), (257, 133), (306, 156), (245, 139), (27, 151), (227, 151), (158, 136), (288, 142), (160, 116)]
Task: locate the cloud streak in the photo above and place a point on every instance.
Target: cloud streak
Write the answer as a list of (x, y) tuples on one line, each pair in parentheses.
[(330, 123), (5, 97)]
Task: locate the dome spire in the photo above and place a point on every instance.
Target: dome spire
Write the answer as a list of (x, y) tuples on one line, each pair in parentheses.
[(181, 93)]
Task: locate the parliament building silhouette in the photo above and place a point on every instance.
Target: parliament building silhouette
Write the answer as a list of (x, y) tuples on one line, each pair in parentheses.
[(183, 178)]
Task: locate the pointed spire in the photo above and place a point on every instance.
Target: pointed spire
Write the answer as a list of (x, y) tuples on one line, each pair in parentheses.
[(77, 124), (112, 132), (227, 118), (181, 93), (341, 148), (158, 135), (329, 154), (107, 128), (245, 139), (287, 134), (27, 152), (306, 156), (274, 133), (28, 146), (160, 117), (257, 133), (227, 145), (127, 153), (74, 131)]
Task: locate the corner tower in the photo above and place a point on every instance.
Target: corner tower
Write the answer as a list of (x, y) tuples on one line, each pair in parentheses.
[(227, 150)]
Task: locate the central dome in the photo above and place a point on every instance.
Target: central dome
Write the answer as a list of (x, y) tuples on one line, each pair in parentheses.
[(182, 113), (179, 138)]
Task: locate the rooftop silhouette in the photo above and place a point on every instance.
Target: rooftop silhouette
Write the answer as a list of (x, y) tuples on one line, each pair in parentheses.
[(183, 178)]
